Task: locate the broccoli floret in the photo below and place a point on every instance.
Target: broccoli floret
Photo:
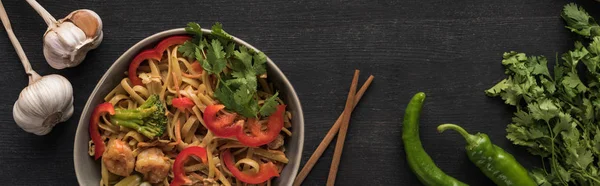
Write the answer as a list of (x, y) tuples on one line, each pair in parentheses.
[(149, 119)]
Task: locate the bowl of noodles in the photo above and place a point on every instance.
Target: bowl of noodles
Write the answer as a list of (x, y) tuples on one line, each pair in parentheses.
[(190, 107)]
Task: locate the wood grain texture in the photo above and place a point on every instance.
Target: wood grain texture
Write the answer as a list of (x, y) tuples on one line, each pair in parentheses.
[(449, 49)]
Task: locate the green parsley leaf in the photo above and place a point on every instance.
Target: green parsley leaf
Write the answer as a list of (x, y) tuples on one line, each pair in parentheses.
[(215, 58), (244, 57), (572, 81), (260, 60), (217, 30), (270, 105), (225, 95), (543, 110), (229, 50), (188, 49), (557, 115), (539, 65), (194, 29), (248, 105), (596, 142), (579, 21), (498, 88), (539, 176), (237, 86)]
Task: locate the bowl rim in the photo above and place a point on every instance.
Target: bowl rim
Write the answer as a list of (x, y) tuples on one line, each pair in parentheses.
[(140, 45)]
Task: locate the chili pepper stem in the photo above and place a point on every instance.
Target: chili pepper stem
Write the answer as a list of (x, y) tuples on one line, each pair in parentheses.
[(468, 137)]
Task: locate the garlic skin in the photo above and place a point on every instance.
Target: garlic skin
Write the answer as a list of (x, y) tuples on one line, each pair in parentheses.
[(67, 41), (43, 104)]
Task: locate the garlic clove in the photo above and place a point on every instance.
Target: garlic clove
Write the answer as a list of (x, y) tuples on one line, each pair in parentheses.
[(96, 42), (43, 104), (86, 20), (65, 46)]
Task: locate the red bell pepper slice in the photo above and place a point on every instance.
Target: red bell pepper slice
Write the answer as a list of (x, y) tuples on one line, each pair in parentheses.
[(135, 63), (178, 165), (266, 171), (197, 67), (222, 126), (93, 128), (155, 53), (263, 137), (182, 103), (170, 41)]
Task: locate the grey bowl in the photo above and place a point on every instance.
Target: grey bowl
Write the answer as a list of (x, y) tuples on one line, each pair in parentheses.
[(87, 169)]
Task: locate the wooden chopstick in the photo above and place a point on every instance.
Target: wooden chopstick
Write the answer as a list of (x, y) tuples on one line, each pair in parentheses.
[(329, 137), (339, 144)]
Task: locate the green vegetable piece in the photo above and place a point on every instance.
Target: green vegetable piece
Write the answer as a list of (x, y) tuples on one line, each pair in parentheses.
[(557, 116), (236, 68), (215, 58), (194, 28), (579, 21), (498, 165), (217, 29), (148, 119), (188, 49), (133, 180), (418, 160), (269, 106)]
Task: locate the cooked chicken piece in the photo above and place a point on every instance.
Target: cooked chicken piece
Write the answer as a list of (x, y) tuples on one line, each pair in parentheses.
[(277, 143)]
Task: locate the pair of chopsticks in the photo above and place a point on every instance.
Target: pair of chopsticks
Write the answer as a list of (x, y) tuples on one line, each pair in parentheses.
[(341, 126)]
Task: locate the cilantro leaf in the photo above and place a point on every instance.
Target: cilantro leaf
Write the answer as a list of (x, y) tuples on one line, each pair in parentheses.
[(557, 114), (194, 29), (215, 58), (236, 68), (596, 142), (539, 176), (248, 105), (244, 78), (539, 65), (579, 21), (498, 88), (260, 60), (244, 57), (229, 50), (224, 94), (543, 110), (239, 100), (564, 123), (188, 49), (217, 30), (572, 81), (269, 106)]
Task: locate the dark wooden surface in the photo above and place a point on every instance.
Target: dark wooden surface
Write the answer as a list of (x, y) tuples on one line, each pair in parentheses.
[(449, 49)]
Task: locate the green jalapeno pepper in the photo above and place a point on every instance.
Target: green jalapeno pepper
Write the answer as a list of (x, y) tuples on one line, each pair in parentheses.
[(498, 165), (418, 160)]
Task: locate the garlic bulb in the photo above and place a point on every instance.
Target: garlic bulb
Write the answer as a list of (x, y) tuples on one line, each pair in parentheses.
[(46, 101), (43, 104), (68, 40)]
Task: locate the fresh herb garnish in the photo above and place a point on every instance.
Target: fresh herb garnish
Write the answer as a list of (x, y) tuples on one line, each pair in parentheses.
[(579, 21), (270, 105), (217, 29), (557, 116), (237, 87)]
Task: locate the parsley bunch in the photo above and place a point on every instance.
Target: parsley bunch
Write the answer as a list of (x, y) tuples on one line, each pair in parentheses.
[(558, 116), (236, 67)]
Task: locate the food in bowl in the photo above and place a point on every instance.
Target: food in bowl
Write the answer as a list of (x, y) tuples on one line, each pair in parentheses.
[(196, 109)]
